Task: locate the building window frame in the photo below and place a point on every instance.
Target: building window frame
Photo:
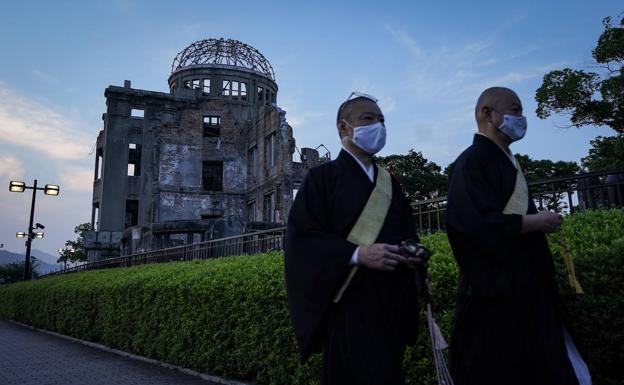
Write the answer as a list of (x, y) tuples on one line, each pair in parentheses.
[(252, 214), (252, 160), (270, 150), (212, 126), (269, 206)]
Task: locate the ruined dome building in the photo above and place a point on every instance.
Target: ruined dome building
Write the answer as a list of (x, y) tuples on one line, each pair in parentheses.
[(211, 158)]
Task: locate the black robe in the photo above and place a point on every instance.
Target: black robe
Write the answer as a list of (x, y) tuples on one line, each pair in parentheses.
[(508, 320), (363, 336)]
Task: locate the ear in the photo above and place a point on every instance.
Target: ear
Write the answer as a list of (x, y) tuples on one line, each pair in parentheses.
[(343, 129), (486, 113)]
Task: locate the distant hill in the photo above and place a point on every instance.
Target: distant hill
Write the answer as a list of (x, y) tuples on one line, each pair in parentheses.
[(7, 257), (45, 257)]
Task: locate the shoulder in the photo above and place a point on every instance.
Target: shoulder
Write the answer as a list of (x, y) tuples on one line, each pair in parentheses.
[(324, 170), (468, 157), (478, 156), (472, 165), (322, 175)]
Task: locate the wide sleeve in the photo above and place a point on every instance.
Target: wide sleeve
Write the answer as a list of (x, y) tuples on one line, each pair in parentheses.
[(316, 260)]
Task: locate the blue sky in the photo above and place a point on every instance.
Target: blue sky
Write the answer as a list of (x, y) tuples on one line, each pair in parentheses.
[(427, 62)]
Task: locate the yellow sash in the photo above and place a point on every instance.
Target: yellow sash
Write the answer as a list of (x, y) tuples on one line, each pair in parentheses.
[(569, 262), (518, 202), (368, 225)]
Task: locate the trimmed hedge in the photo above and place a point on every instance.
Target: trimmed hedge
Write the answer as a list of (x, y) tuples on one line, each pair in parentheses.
[(228, 316)]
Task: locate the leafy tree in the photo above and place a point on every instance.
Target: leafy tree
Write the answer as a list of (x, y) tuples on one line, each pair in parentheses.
[(14, 271), (607, 153), (575, 92), (74, 250), (421, 178), (534, 169)]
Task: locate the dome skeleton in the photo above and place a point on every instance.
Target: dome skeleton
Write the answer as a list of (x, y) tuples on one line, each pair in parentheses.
[(223, 52)]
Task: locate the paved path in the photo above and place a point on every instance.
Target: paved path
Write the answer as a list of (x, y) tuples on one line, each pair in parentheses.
[(29, 357)]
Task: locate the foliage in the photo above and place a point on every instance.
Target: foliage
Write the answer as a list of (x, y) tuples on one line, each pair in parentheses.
[(574, 92), (596, 240), (421, 178), (14, 271), (607, 153), (74, 250), (534, 169), (228, 316)]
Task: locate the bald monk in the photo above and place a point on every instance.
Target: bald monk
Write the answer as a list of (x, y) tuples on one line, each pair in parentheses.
[(354, 301), (509, 326)]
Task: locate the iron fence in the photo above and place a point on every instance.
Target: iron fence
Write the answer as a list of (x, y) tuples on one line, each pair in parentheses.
[(564, 194), (250, 243), (601, 189)]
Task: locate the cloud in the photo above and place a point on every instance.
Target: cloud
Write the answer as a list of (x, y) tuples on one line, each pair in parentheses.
[(297, 116), (458, 72), (45, 77), (30, 124), (77, 178), (387, 104), (406, 40), (300, 118), (11, 167)]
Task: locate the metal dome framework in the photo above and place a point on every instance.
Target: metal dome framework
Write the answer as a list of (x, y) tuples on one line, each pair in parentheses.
[(223, 52)]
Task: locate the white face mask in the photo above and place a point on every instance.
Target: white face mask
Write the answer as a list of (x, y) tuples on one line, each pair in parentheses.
[(514, 127), (371, 138)]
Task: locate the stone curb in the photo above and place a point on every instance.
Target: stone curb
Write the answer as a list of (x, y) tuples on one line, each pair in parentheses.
[(135, 357)]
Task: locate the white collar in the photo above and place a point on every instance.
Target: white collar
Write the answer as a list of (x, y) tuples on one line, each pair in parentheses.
[(369, 171)]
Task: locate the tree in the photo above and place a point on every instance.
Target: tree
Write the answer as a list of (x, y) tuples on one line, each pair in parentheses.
[(574, 92), (607, 153), (534, 169), (74, 250), (422, 179), (14, 271)]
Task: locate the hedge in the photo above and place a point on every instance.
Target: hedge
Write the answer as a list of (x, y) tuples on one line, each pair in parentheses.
[(228, 316)]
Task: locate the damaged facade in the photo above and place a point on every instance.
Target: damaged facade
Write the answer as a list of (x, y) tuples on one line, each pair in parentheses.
[(210, 159)]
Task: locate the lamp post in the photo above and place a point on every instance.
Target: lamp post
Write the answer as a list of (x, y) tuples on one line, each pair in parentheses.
[(48, 189)]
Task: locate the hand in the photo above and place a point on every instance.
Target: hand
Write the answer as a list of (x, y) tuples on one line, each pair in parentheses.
[(419, 258), (380, 256), (548, 222)]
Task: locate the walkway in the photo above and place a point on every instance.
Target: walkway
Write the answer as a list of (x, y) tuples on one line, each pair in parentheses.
[(31, 357)]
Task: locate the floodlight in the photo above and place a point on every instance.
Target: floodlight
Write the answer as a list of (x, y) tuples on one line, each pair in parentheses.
[(16, 186), (51, 189)]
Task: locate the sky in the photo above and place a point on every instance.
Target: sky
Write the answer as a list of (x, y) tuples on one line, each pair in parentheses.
[(426, 62)]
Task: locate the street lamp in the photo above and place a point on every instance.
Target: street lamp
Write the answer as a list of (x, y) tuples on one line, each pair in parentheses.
[(65, 252), (49, 189), (20, 234), (15, 186)]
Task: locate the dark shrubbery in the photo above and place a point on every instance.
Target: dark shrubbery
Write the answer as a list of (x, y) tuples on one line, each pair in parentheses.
[(596, 239), (228, 316)]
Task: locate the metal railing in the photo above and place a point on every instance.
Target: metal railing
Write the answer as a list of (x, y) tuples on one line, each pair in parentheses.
[(567, 194), (564, 194), (250, 243)]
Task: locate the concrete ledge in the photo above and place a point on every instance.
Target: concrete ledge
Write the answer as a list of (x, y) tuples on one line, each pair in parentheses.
[(204, 376)]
